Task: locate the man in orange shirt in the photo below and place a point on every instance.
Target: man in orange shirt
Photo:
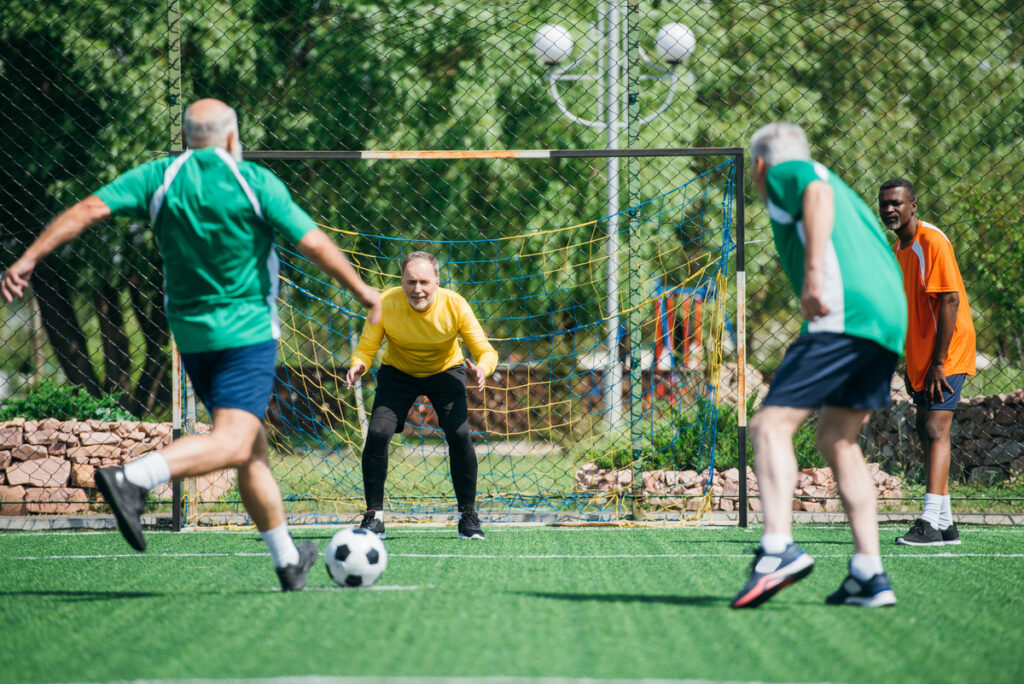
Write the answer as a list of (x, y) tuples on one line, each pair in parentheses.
[(940, 349)]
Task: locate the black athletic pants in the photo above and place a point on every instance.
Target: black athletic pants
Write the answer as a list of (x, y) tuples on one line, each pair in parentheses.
[(396, 392)]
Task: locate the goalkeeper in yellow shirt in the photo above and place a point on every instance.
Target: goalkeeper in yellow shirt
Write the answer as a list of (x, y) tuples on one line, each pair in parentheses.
[(422, 323)]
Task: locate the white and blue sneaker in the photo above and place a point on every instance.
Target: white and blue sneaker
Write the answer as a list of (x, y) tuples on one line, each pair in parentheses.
[(873, 593)]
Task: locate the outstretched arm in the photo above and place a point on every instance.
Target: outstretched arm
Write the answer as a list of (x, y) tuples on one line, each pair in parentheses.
[(68, 225), (321, 250)]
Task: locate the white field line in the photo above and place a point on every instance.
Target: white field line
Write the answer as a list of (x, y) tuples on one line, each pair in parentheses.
[(491, 679), (518, 556), (319, 679), (375, 587), (447, 528)]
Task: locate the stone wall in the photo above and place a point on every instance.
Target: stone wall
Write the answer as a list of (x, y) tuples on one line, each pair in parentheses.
[(816, 490), (47, 466), (987, 438)]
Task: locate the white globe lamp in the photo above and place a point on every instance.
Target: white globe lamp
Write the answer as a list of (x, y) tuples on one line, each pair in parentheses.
[(675, 43), (552, 44)]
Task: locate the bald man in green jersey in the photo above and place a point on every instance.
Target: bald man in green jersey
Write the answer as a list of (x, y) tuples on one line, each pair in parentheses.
[(215, 218)]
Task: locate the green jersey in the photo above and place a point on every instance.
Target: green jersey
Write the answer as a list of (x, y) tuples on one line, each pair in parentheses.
[(863, 286), (215, 221)]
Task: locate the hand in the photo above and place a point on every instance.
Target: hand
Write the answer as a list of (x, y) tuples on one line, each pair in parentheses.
[(354, 373), (812, 299), (935, 382), (480, 377), (15, 278), (370, 298)]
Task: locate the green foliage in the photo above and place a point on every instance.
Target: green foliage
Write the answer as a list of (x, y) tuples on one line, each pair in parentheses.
[(672, 441), (999, 378), (64, 402)]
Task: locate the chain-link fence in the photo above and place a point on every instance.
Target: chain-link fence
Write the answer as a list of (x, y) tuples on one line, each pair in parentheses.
[(933, 92)]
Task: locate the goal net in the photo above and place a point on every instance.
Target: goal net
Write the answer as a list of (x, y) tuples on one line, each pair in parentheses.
[(607, 305)]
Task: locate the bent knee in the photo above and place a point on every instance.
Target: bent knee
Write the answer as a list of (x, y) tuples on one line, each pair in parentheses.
[(764, 426), (460, 433), (934, 431), (378, 435)]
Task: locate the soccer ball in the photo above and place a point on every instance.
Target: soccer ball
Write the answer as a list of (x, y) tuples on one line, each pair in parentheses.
[(355, 558)]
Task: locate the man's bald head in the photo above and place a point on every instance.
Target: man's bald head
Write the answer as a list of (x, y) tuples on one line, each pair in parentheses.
[(211, 123)]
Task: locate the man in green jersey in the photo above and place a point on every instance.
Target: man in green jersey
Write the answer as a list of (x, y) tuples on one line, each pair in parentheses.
[(215, 218), (839, 264)]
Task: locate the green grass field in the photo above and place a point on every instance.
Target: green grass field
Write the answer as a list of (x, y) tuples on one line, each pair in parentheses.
[(539, 603)]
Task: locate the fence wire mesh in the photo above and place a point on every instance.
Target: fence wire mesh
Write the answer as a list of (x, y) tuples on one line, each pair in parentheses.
[(928, 91)]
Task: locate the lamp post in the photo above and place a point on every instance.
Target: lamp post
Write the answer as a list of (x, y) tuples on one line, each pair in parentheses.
[(553, 45)]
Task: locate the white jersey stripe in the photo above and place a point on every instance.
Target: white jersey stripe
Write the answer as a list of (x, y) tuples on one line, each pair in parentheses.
[(246, 188), (156, 202), (925, 224), (274, 269), (918, 251), (835, 320)]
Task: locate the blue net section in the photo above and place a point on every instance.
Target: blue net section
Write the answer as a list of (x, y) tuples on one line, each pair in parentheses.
[(609, 330)]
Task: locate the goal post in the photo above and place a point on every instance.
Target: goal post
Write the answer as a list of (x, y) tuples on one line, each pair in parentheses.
[(605, 404)]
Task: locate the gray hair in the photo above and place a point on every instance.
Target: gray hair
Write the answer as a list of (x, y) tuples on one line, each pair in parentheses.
[(779, 142), (211, 130), (426, 256)]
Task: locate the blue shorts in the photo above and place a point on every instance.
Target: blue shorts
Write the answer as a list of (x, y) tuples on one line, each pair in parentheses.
[(949, 399), (236, 378), (833, 369)]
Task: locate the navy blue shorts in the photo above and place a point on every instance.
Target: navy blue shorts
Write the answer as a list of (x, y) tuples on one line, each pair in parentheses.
[(833, 369), (949, 399), (236, 378)]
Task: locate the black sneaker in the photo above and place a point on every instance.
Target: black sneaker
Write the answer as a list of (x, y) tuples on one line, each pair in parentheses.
[(922, 533), (771, 572), (469, 526), (873, 593), (371, 523), (950, 535), (127, 500), (293, 577)]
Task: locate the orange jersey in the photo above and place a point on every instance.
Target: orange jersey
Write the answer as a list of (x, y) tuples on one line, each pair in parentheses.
[(929, 269)]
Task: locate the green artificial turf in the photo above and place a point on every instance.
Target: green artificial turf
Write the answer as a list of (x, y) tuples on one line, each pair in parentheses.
[(532, 602)]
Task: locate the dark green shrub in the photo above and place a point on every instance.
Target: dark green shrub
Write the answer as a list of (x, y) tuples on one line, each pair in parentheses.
[(64, 402)]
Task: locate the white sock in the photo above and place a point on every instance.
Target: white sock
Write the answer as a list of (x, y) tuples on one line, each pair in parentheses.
[(378, 515), (775, 543), (932, 509), (864, 567), (946, 516), (282, 549), (149, 471)]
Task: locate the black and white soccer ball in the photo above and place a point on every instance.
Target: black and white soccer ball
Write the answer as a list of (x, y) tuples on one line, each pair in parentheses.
[(355, 558)]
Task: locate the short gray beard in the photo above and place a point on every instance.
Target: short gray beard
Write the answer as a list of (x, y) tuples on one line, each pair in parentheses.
[(236, 149)]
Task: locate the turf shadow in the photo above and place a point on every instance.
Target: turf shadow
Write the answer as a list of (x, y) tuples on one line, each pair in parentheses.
[(78, 596), (630, 598)]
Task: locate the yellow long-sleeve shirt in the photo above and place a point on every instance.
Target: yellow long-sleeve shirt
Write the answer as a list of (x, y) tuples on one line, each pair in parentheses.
[(425, 343)]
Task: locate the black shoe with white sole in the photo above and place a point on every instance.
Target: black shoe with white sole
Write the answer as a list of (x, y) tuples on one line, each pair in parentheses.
[(950, 535), (922, 533), (373, 524), (293, 577), (127, 500), (469, 526)]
